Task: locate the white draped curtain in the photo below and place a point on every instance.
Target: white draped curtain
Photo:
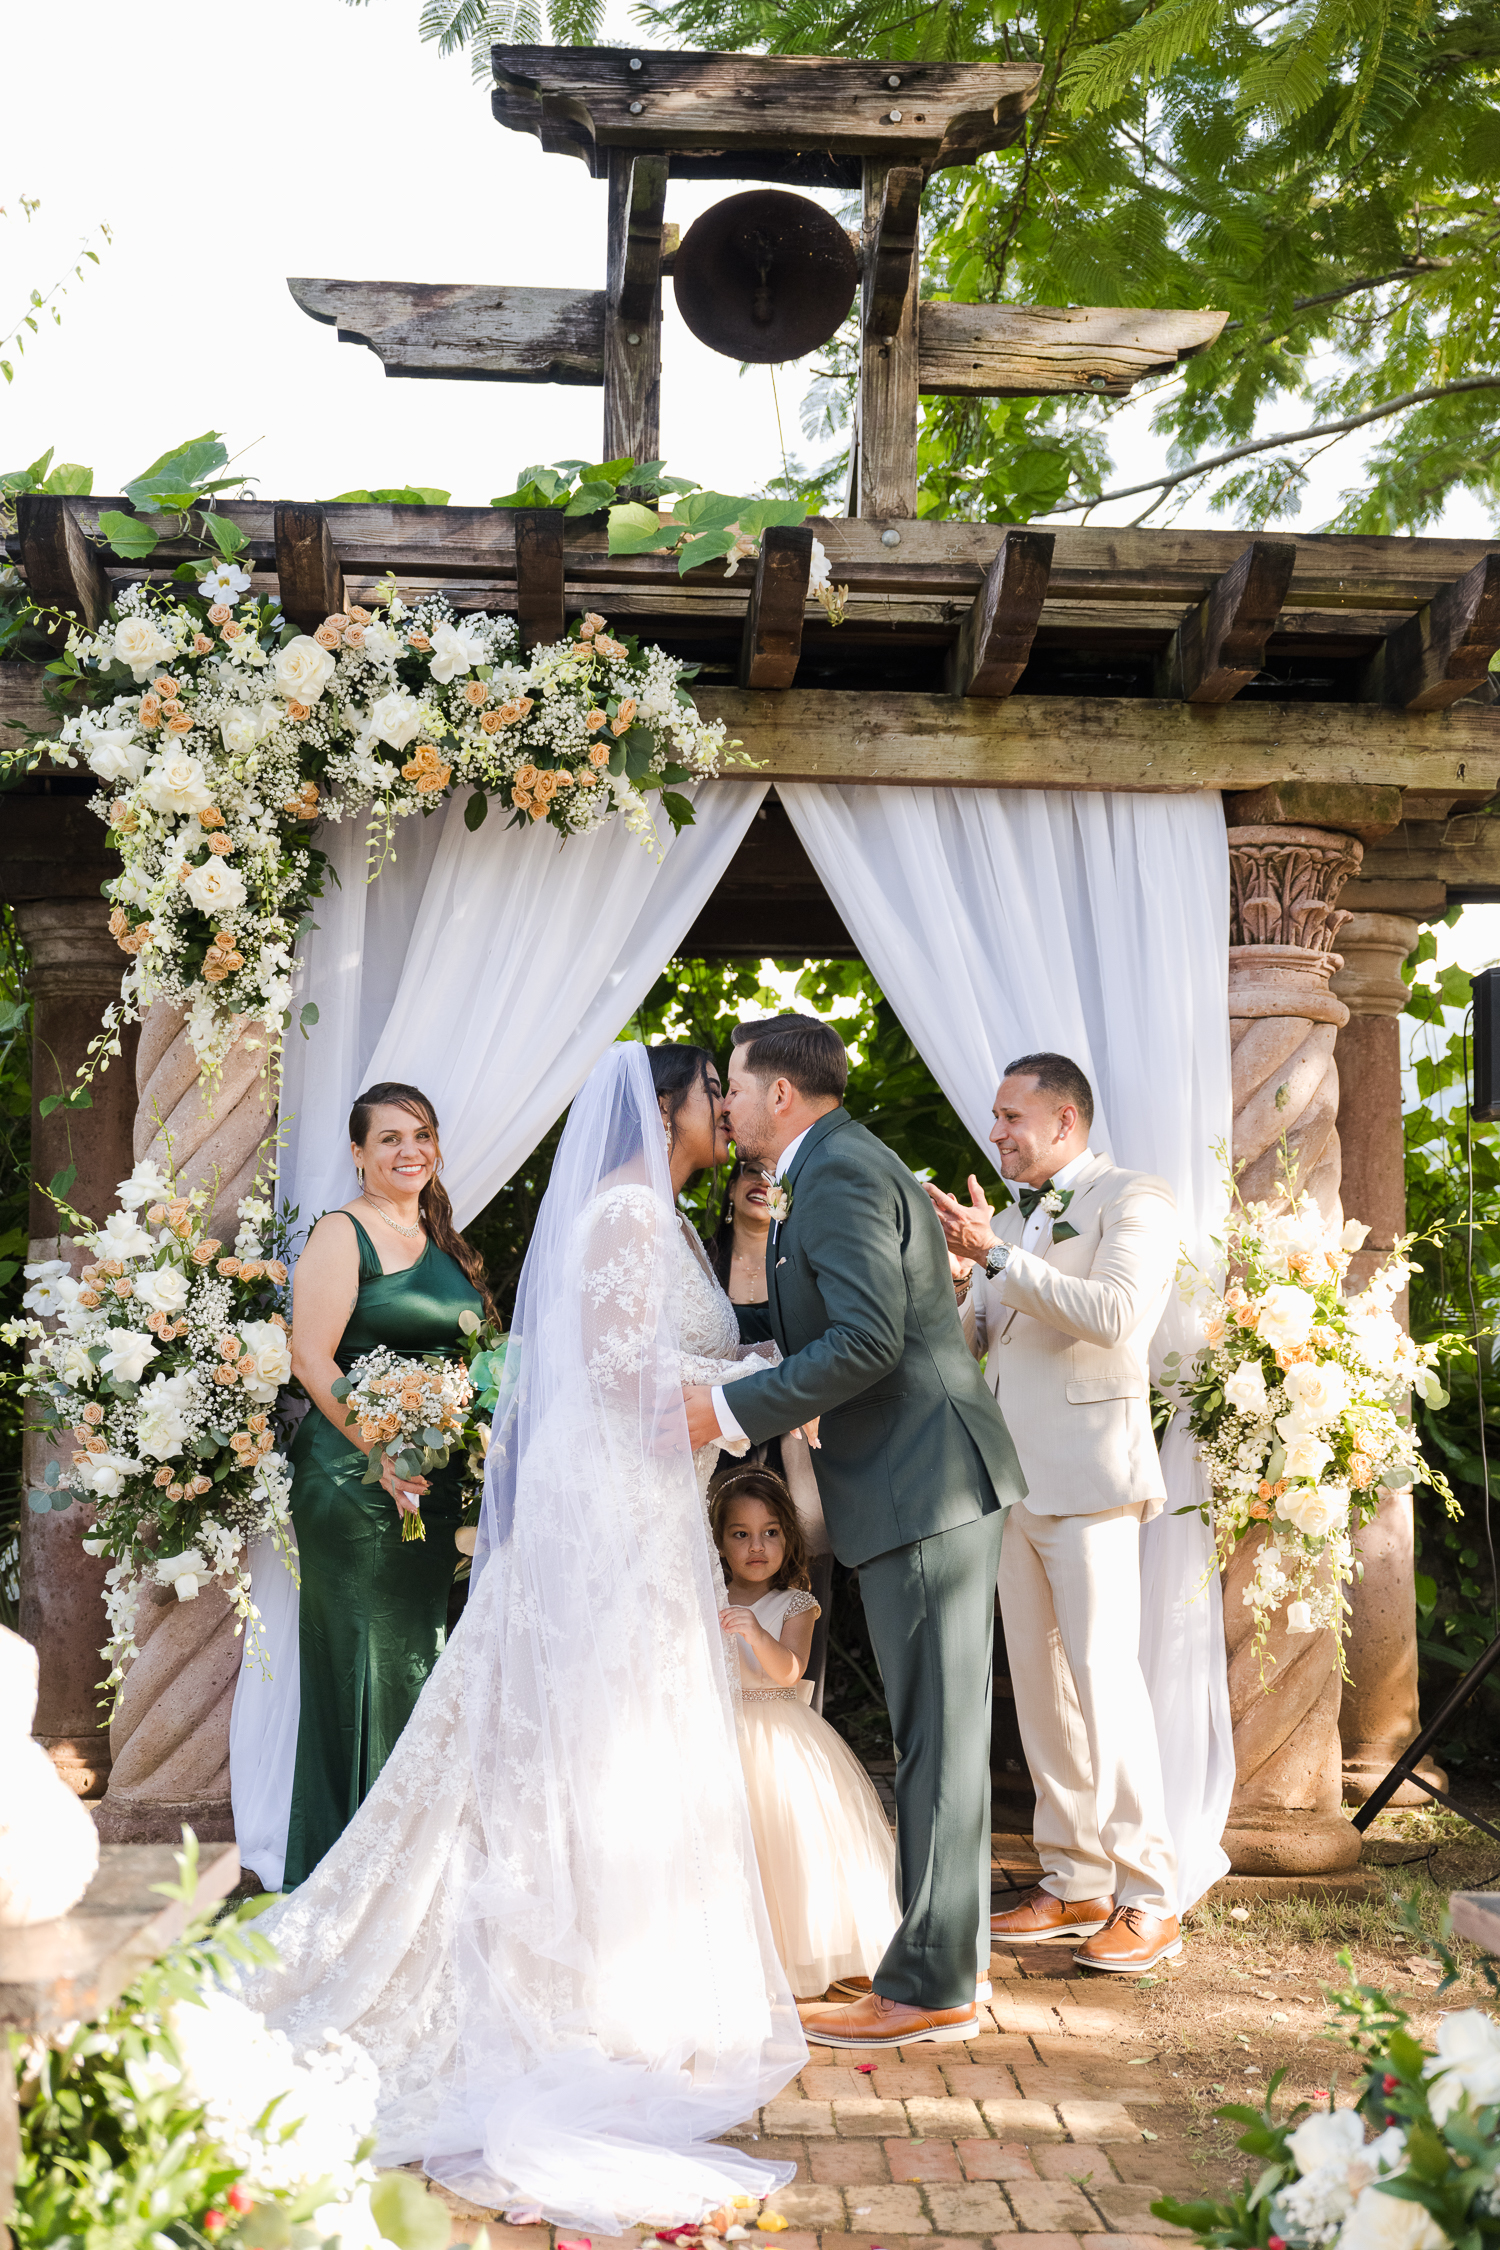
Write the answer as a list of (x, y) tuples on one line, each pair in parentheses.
[(999, 922), (491, 968)]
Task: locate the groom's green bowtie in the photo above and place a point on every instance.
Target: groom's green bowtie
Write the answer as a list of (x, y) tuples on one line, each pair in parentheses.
[(1030, 1197)]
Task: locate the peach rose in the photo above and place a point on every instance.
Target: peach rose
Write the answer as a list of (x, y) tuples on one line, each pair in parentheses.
[(327, 636), (599, 755), (210, 817), (595, 719), (232, 631), (354, 636), (476, 692), (297, 712), (418, 641), (220, 614), (202, 645)]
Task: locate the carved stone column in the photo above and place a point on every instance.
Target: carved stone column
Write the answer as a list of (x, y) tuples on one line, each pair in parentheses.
[(1284, 886), (170, 1732), (1379, 1715)]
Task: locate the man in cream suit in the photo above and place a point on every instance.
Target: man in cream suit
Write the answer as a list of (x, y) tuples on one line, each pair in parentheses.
[(1063, 1292)]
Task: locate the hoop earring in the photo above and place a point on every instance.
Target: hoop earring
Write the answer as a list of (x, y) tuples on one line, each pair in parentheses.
[(359, 1174)]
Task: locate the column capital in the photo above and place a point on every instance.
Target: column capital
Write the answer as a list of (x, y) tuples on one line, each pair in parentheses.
[(72, 952), (1284, 884), (1374, 946)]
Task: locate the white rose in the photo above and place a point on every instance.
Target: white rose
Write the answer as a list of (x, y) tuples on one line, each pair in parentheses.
[(302, 670), (1286, 1316), (1388, 2222), (115, 755), (1327, 2137), (1246, 1388), (164, 1289), (176, 784), (71, 1361), (242, 729), (103, 1475), (1354, 1235), (215, 888), (395, 719), (162, 1421), (452, 652), (122, 1236), (1306, 1457), (140, 643), (146, 1184), (130, 1353), (1467, 2062), (1318, 1392), (267, 1346), (1316, 1509)]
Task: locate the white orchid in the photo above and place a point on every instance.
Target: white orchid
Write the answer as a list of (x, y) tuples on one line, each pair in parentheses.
[(225, 583), (45, 1296)]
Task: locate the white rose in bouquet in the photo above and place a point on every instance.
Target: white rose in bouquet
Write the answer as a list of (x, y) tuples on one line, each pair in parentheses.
[(1388, 2222), (122, 1236), (452, 652), (162, 1421), (1306, 1456), (103, 1475), (302, 670), (1287, 1314), (1329, 2136), (1467, 2062), (177, 784), (115, 755), (140, 643), (1246, 1388), (181, 1572), (1315, 1509), (394, 719), (1319, 1392), (244, 728), (163, 1290), (267, 1346), (130, 1354), (215, 888), (146, 1184)]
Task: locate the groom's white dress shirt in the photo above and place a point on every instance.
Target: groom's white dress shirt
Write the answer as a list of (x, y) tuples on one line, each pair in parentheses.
[(1036, 1226), (728, 1426)]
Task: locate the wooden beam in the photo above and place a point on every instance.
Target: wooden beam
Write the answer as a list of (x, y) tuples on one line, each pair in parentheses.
[(883, 461), (632, 342), (738, 113), (994, 641), (646, 200), (1444, 651), (1034, 351), (310, 578), (540, 614), (1221, 644), (465, 332), (1099, 742), (772, 641), (894, 252), (62, 570)]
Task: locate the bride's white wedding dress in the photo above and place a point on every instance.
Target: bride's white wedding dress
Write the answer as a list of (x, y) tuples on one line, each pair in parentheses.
[(545, 1924)]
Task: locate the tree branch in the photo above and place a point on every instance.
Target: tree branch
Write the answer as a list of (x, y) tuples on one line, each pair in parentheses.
[(1347, 289), (1283, 437)]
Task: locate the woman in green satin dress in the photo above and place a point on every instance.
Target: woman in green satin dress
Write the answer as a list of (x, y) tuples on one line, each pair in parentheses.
[(389, 1268)]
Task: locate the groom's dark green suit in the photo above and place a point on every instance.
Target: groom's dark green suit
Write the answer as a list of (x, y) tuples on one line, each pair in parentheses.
[(915, 1468)]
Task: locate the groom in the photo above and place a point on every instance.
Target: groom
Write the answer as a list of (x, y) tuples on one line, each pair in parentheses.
[(915, 1469)]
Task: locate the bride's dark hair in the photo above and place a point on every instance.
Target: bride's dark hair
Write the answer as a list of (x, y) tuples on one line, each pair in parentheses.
[(675, 1070), (436, 1210)]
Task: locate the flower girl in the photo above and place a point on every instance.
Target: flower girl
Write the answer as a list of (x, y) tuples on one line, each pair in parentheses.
[(827, 1857)]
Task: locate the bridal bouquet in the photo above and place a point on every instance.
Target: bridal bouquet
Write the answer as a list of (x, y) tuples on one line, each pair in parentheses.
[(163, 1369), (220, 734), (1296, 1402), (410, 1412)]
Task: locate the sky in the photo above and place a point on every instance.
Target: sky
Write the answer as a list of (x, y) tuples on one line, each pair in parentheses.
[(226, 149)]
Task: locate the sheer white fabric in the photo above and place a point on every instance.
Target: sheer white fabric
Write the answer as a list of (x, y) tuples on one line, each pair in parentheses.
[(491, 969), (1001, 921), (545, 1923)]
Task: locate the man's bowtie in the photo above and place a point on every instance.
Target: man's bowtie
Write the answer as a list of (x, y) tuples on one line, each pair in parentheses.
[(1030, 1197)]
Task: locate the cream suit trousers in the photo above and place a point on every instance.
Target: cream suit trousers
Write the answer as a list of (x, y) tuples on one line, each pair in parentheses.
[(1070, 1596)]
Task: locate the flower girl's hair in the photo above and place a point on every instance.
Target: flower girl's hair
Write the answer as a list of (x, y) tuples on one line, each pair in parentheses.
[(753, 1483)]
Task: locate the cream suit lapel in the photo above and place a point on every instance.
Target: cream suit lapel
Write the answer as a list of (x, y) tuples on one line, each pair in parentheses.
[(1010, 1224)]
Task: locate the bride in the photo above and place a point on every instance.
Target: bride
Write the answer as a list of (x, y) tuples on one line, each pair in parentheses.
[(545, 1924)]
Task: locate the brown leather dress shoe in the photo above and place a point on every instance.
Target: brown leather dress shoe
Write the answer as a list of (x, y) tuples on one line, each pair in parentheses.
[(855, 1988), (875, 2021), (1131, 1940), (1041, 1915)]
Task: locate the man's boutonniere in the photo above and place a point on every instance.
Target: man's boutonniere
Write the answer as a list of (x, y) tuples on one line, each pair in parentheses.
[(778, 1201), (1054, 1203)]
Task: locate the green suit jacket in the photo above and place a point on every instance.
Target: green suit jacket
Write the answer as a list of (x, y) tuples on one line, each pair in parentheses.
[(860, 1300)]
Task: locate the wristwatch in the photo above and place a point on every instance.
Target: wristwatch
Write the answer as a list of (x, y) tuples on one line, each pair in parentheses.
[(997, 1261)]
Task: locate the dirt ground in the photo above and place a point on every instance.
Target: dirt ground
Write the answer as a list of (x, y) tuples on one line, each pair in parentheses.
[(1086, 2097)]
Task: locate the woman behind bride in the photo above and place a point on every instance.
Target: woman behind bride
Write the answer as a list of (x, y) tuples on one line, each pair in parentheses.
[(545, 1924)]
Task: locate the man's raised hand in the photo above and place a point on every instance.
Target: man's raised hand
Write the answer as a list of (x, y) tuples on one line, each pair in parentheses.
[(966, 1229)]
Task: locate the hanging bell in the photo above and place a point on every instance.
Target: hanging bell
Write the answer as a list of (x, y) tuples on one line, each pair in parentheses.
[(765, 276)]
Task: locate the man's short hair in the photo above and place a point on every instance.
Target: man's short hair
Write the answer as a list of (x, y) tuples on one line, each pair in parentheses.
[(802, 1049), (1059, 1075)]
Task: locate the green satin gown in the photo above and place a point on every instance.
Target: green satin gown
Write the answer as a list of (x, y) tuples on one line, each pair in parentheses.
[(374, 1606)]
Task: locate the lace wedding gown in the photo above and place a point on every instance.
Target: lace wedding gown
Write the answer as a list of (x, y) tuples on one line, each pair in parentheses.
[(545, 1924)]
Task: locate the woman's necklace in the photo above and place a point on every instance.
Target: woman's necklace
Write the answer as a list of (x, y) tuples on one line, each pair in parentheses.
[(395, 1225)]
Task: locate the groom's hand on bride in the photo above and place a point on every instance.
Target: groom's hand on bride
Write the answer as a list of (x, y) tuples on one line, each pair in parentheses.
[(702, 1421), (966, 1227)]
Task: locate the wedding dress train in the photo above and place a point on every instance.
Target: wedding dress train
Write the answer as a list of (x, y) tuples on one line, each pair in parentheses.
[(545, 1924)]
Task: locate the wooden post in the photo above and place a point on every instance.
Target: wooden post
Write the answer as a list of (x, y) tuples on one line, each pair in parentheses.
[(778, 604), (307, 565), (884, 474), (632, 338), (61, 569), (1220, 646), (539, 575), (1443, 652)]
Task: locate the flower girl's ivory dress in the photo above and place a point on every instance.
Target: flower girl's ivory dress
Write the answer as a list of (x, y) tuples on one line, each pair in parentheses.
[(827, 1856)]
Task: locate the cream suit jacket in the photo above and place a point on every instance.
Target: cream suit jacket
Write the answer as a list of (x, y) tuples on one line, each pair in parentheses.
[(1068, 1328)]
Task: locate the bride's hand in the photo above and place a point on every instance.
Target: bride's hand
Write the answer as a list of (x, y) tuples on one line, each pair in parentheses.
[(407, 1492), (809, 1430)]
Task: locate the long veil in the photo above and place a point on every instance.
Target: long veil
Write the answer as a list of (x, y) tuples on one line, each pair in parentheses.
[(566, 1972)]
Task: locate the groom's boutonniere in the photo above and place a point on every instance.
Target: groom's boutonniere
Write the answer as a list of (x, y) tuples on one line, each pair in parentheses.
[(779, 1202), (1054, 1203)]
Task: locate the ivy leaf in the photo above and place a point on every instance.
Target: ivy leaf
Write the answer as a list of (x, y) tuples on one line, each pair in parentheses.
[(179, 472), (757, 516), (710, 511), (226, 536), (635, 529), (707, 547), (68, 476), (127, 535), (591, 498)]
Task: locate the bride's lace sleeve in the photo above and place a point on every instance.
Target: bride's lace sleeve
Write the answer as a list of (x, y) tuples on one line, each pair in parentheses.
[(622, 1292), (737, 1360)]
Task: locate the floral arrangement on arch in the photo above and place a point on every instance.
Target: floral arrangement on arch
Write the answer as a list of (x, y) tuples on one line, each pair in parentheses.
[(221, 734), (1296, 1402), (163, 1368)]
